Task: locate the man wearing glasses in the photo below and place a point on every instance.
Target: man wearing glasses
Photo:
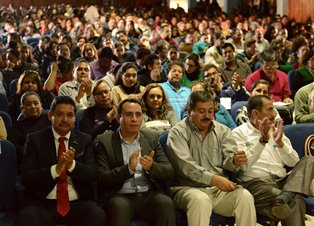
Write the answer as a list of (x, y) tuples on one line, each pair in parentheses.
[(278, 80)]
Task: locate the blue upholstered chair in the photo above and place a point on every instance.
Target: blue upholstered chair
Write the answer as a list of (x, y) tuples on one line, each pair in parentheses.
[(8, 174), (298, 133), (4, 105), (7, 119)]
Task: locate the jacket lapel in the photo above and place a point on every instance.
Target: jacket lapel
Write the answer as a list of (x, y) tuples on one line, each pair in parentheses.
[(117, 149)]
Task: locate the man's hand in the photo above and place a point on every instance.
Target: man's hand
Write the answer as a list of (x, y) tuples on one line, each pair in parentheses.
[(239, 158), (264, 126), (112, 114), (66, 160), (88, 86), (134, 159), (155, 74), (236, 81), (223, 183), (69, 157), (278, 133), (147, 161), (288, 100)]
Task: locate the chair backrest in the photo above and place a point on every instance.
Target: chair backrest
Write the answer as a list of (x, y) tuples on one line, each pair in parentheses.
[(13, 87), (235, 107), (8, 174), (298, 133), (7, 119), (78, 118), (163, 141), (4, 105)]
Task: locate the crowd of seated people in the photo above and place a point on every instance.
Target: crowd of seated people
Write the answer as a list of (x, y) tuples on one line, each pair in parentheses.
[(145, 71)]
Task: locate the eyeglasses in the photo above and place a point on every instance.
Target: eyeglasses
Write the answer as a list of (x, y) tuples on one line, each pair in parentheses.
[(102, 92), (214, 74), (270, 68)]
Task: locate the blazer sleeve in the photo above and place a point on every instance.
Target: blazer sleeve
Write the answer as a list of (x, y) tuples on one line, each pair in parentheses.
[(110, 172)]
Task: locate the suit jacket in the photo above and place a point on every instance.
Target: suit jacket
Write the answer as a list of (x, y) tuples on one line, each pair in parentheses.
[(110, 166), (40, 154)]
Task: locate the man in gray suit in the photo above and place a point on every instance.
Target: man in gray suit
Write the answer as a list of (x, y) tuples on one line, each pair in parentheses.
[(131, 165)]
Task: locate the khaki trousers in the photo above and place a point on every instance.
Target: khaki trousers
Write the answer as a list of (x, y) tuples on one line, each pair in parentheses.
[(199, 203)]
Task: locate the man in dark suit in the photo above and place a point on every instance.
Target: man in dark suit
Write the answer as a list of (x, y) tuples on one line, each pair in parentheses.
[(58, 171), (131, 165)]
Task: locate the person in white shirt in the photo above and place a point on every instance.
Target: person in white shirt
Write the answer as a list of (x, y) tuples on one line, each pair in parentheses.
[(80, 88), (268, 150)]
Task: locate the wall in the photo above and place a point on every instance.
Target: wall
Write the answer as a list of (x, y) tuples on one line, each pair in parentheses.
[(300, 10)]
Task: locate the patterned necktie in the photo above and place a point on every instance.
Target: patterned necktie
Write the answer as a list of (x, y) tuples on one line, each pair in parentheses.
[(63, 203)]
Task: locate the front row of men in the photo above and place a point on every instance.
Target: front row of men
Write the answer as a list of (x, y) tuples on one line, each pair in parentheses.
[(60, 168)]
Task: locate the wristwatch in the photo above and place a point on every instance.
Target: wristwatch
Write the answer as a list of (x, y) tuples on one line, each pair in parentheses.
[(262, 141)]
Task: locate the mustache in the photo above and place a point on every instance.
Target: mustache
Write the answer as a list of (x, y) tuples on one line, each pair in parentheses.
[(206, 120)]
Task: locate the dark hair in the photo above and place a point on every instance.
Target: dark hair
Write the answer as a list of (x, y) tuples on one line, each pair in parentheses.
[(255, 102), (62, 100), (65, 65), (128, 100), (261, 81), (195, 57), (208, 66), (14, 52), (160, 45), (28, 93), (169, 66), (269, 54), (105, 52), (122, 70), (150, 60), (172, 47), (307, 56), (199, 96), (29, 73), (226, 45), (142, 53)]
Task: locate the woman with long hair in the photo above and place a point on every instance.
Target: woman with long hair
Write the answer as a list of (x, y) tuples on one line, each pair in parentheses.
[(127, 85), (157, 108)]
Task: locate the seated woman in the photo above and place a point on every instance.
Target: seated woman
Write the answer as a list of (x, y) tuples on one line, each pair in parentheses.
[(100, 117), (34, 120), (221, 113), (158, 113), (127, 85), (28, 81), (260, 87), (89, 52)]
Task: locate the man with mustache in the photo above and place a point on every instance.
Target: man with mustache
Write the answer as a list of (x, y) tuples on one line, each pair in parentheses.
[(268, 150), (80, 88), (58, 172), (201, 150)]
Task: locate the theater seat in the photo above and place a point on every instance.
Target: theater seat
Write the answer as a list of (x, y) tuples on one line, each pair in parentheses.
[(298, 133)]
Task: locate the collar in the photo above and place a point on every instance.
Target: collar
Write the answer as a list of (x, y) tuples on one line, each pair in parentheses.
[(188, 120), (137, 138), (57, 136)]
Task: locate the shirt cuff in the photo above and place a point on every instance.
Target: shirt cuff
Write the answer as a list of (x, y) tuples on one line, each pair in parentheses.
[(53, 172), (131, 171), (72, 167)]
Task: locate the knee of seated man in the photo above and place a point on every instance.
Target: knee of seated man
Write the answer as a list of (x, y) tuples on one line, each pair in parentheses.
[(244, 195), (200, 199)]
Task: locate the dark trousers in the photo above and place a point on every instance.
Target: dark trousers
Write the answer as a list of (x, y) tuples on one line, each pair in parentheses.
[(154, 207), (82, 213)]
